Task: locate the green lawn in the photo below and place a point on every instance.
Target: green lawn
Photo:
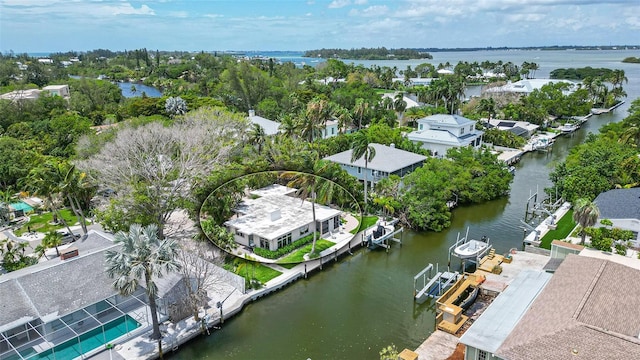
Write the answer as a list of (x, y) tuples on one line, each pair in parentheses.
[(367, 222), (255, 270), (565, 225), (297, 256), (42, 223)]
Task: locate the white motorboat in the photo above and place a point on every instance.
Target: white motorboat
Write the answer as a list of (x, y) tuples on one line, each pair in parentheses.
[(568, 128), (471, 248)]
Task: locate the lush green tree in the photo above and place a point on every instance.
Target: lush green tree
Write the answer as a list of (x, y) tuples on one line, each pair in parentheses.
[(15, 161), (52, 239), (586, 214), (142, 257), (257, 136)]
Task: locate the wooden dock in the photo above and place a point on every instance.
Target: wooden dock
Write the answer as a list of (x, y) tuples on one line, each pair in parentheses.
[(490, 261), (450, 317)]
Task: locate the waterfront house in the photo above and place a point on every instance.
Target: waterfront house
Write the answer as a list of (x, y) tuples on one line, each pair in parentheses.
[(388, 161), (270, 127), (56, 305), (527, 86), (520, 128), (33, 94), (273, 217), (586, 310), (622, 207), (439, 133)]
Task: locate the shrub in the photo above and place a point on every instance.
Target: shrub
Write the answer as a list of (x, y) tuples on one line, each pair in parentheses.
[(266, 253)]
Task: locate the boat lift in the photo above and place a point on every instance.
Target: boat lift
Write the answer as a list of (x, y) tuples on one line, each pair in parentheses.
[(432, 287), (475, 260), (384, 240)]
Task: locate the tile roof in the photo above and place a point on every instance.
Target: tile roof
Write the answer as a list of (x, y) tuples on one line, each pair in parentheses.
[(387, 159), (589, 305), (619, 204)]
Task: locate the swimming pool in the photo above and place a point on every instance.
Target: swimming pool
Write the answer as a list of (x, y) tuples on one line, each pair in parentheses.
[(85, 343)]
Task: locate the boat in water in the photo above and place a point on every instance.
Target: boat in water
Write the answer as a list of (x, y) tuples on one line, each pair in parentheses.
[(542, 144), (378, 234), (568, 128), (472, 248)]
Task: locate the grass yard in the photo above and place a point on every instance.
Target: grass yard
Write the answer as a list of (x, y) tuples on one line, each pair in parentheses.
[(42, 223), (256, 270), (297, 256), (565, 225), (365, 223)]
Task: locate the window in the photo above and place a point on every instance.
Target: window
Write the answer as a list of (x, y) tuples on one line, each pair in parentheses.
[(333, 131), (482, 355), (264, 243), (421, 126), (336, 222), (461, 131), (239, 233), (304, 230), (359, 170), (284, 240)]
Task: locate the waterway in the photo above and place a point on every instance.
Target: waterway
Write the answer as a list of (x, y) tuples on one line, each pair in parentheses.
[(354, 307)]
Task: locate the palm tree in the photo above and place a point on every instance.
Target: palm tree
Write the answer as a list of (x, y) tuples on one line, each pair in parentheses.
[(360, 110), (306, 185), (399, 105), (585, 213), (361, 146), (314, 119), (257, 136), (142, 256), (52, 239), (631, 136)]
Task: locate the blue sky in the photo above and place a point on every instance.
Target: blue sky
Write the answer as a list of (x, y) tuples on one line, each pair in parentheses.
[(61, 25)]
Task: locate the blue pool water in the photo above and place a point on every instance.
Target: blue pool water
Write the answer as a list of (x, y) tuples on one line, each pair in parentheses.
[(86, 343)]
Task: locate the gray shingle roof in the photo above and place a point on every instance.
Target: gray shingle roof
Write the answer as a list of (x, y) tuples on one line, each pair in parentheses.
[(55, 288), (446, 119), (387, 159), (587, 303), (619, 204)]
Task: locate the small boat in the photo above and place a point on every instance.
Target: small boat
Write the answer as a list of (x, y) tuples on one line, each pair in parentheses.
[(568, 128), (471, 248), (512, 170), (542, 144), (378, 234), (471, 297)]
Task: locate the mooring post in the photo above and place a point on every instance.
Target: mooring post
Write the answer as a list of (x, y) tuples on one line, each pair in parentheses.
[(320, 262), (349, 247), (305, 271), (335, 256)]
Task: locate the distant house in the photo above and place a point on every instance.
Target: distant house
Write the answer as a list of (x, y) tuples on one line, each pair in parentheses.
[(622, 207), (439, 133), (527, 86), (330, 129), (388, 161), (270, 127), (411, 103), (583, 311), (45, 61), (273, 217), (520, 128), (33, 94), (57, 90), (18, 95)]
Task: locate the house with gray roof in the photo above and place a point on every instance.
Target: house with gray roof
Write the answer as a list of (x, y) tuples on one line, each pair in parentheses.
[(441, 132), (586, 310), (388, 161), (622, 207), (54, 307), (519, 128)]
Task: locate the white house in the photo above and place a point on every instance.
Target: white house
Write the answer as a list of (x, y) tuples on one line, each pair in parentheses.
[(387, 161), (273, 217), (439, 133), (528, 85), (270, 127), (520, 128), (330, 129), (58, 90)]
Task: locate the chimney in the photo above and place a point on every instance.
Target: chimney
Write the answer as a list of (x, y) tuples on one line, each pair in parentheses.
[(252, 113), (392, 145)]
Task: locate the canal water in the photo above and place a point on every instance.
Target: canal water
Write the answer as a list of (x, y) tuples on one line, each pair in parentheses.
[(354, 307)]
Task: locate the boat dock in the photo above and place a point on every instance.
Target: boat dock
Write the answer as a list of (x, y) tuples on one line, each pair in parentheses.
[(474, 250), (432, 286), (451, 305)]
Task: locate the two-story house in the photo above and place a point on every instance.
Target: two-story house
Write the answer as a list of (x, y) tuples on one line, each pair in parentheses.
[(439, 133)]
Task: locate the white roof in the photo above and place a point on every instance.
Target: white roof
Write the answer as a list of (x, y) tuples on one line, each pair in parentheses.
[(434, 136), (387, 159), (270, 127), (410, 102), (55, 87), (445, 119), (498, 320), (274, 214), (528, 85)]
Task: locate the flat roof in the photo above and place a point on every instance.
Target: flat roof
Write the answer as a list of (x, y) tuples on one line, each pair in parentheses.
[(274, 215), (387, 159), (498, 320)]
